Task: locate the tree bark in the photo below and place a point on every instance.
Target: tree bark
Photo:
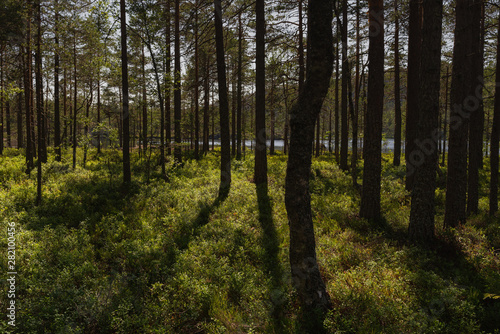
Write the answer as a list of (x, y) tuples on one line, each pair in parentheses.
[(313, 297), (225, 170), (476, 123), (75, 95), (344, 139), (414, 50), (196, 89), (28, 95), (337, 104), (397, 91), (239, 87), (495, 137), (421, 227), (20, 138), (144, 103), (465, 101), (260, 172), (57, 114), (168, 83), (39, 104), (127, 177), (370, 197), (177, 86)]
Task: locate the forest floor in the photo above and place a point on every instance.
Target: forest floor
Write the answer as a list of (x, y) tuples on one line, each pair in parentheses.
[(166, 257)]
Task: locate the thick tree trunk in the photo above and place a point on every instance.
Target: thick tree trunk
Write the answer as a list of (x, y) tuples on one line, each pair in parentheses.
[(312, 294), (225, 170), (495, 137), (127, 177), (421, 228), (414, 50), (397, 92), (370, 198), (465, 101), (260, 172)]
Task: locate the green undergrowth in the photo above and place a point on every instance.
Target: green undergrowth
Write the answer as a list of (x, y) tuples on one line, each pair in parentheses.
[(166, 256)]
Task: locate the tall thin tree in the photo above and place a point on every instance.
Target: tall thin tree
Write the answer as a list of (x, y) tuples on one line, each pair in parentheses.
[(476, 131), (495, 136), (127, 177), (177, 84), (225, 171), (260, 172), (414, 49), (39, 104), (57, 114), (370, 197), (397, 90), (344, 139), (313, 297)]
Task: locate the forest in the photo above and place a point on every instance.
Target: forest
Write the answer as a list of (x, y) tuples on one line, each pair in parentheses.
[(296, 166)]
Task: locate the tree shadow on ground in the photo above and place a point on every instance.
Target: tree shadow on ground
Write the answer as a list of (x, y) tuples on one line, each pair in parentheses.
[(270, 243)]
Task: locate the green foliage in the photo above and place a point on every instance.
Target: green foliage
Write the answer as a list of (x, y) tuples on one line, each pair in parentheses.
[(168, 258)]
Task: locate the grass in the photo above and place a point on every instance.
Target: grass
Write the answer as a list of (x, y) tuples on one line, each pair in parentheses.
[(167, 257)]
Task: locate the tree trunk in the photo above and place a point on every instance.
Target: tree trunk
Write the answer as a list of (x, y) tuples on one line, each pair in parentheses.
[(28, 94), (370, 198), (337, 105), (74, 103), (476, 125), (57, 115), (301, 46), (495, 137), (344, 140), (421, 227), (177, 86), (196, 89), (39, 105), (168, 80), (260, 172), (414, 50), (20, 138), (465, 101), (225, 170), (2, 97), (206, 107), (313, 297), (127, 178), (397, 92), (445, 125), (240, 87), (144, 104)]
